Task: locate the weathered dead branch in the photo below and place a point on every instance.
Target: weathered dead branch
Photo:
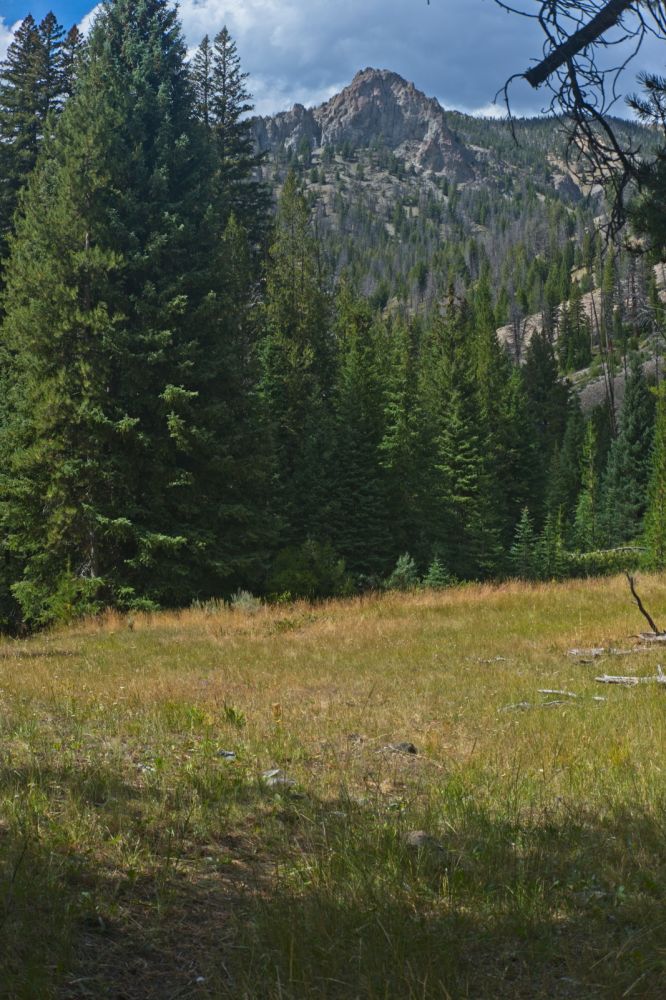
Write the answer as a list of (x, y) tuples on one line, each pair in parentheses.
[(649, 619)]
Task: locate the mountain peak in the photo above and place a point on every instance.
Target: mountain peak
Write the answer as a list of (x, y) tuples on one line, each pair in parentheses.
[(378, 107)]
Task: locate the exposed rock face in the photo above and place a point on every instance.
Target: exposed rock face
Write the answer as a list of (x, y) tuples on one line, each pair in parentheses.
[(377, 108)]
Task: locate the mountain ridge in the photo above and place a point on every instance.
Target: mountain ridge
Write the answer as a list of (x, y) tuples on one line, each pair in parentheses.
[(378, 107)]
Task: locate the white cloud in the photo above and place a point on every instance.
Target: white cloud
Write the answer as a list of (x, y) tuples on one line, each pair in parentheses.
[(86, 23), (304, 50), (6, 33), (301, 50)]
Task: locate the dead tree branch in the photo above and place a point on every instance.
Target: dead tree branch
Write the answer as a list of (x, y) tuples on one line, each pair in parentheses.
[(607, 18), (641, 607)]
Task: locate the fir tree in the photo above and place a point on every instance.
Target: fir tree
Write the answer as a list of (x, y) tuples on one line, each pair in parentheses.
[(548, 400), (655, 517), (586, 519), (35, 78), (223, 105), (456, 492), (565, 477), (116, 481), (523, 550), (550, 558), (359, 526), (626, 480), (296, 379)]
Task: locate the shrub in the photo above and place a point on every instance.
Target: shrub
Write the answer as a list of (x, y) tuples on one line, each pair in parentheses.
[(72, 597), (309, 570), (244, 601)]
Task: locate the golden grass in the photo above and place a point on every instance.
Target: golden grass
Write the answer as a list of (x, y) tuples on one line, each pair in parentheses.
[(137, 862)]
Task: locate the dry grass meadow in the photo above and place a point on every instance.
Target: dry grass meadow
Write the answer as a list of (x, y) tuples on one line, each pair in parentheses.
[(521, 853)]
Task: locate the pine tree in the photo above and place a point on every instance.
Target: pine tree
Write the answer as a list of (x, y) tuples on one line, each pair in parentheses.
[(550, 558), (223, 105), (297, 371), (586, 518), (456, 490), (117, 482), (396, 354), (548, 401), (359, 527), (565, 477), (655, 517), (19, 124), (626, 481), (523, 550), (35, 78)]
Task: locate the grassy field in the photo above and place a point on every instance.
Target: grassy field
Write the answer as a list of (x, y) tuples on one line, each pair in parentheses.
[(520, 853)]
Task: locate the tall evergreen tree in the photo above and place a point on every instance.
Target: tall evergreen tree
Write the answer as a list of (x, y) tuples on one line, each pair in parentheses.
[(565, 478), (223, 105), (115, 480), (297, 360), (586, 523), (655, 516), (523, 550), (626, 480), (456, 492), (360, 528), (35, 78), (548, 400)]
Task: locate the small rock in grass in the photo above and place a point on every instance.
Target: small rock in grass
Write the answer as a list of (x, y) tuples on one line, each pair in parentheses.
[(400, 748), (276, 778), (419, 840)]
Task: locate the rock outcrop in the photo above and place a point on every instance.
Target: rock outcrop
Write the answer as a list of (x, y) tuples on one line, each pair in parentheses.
[(381, 109)]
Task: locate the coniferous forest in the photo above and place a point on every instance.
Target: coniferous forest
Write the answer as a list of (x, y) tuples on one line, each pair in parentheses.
[(205, 391)]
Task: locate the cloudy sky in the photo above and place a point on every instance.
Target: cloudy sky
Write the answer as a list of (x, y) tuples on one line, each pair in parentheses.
[(460, 51)]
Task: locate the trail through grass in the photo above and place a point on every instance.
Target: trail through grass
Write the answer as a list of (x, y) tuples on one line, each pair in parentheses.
[(520, 853)]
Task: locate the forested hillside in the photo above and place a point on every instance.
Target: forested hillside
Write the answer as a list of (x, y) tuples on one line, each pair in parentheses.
[(262, 355)]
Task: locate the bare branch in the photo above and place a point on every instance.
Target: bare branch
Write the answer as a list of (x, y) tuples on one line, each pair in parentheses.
[(642, 610), (590, 33)]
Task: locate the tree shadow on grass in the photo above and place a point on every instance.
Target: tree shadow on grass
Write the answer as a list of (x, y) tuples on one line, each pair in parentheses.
[(329, 900), (571, 908)]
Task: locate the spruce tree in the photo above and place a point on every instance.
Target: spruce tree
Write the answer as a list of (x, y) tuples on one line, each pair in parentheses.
[(359, 525), (456, 488), (626, 480), (548, 402), (586, 518), (396, 355), (565, 477), (297, 370), (223, 105), (523, 550), (35, 78), (116, 480), (550, 553), (19, 124), (655, 517)]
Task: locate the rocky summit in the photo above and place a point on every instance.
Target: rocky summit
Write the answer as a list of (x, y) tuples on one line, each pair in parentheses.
[(381, 109)]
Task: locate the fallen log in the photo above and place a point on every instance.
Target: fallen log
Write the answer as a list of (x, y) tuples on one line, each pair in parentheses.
[(659, 678)]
